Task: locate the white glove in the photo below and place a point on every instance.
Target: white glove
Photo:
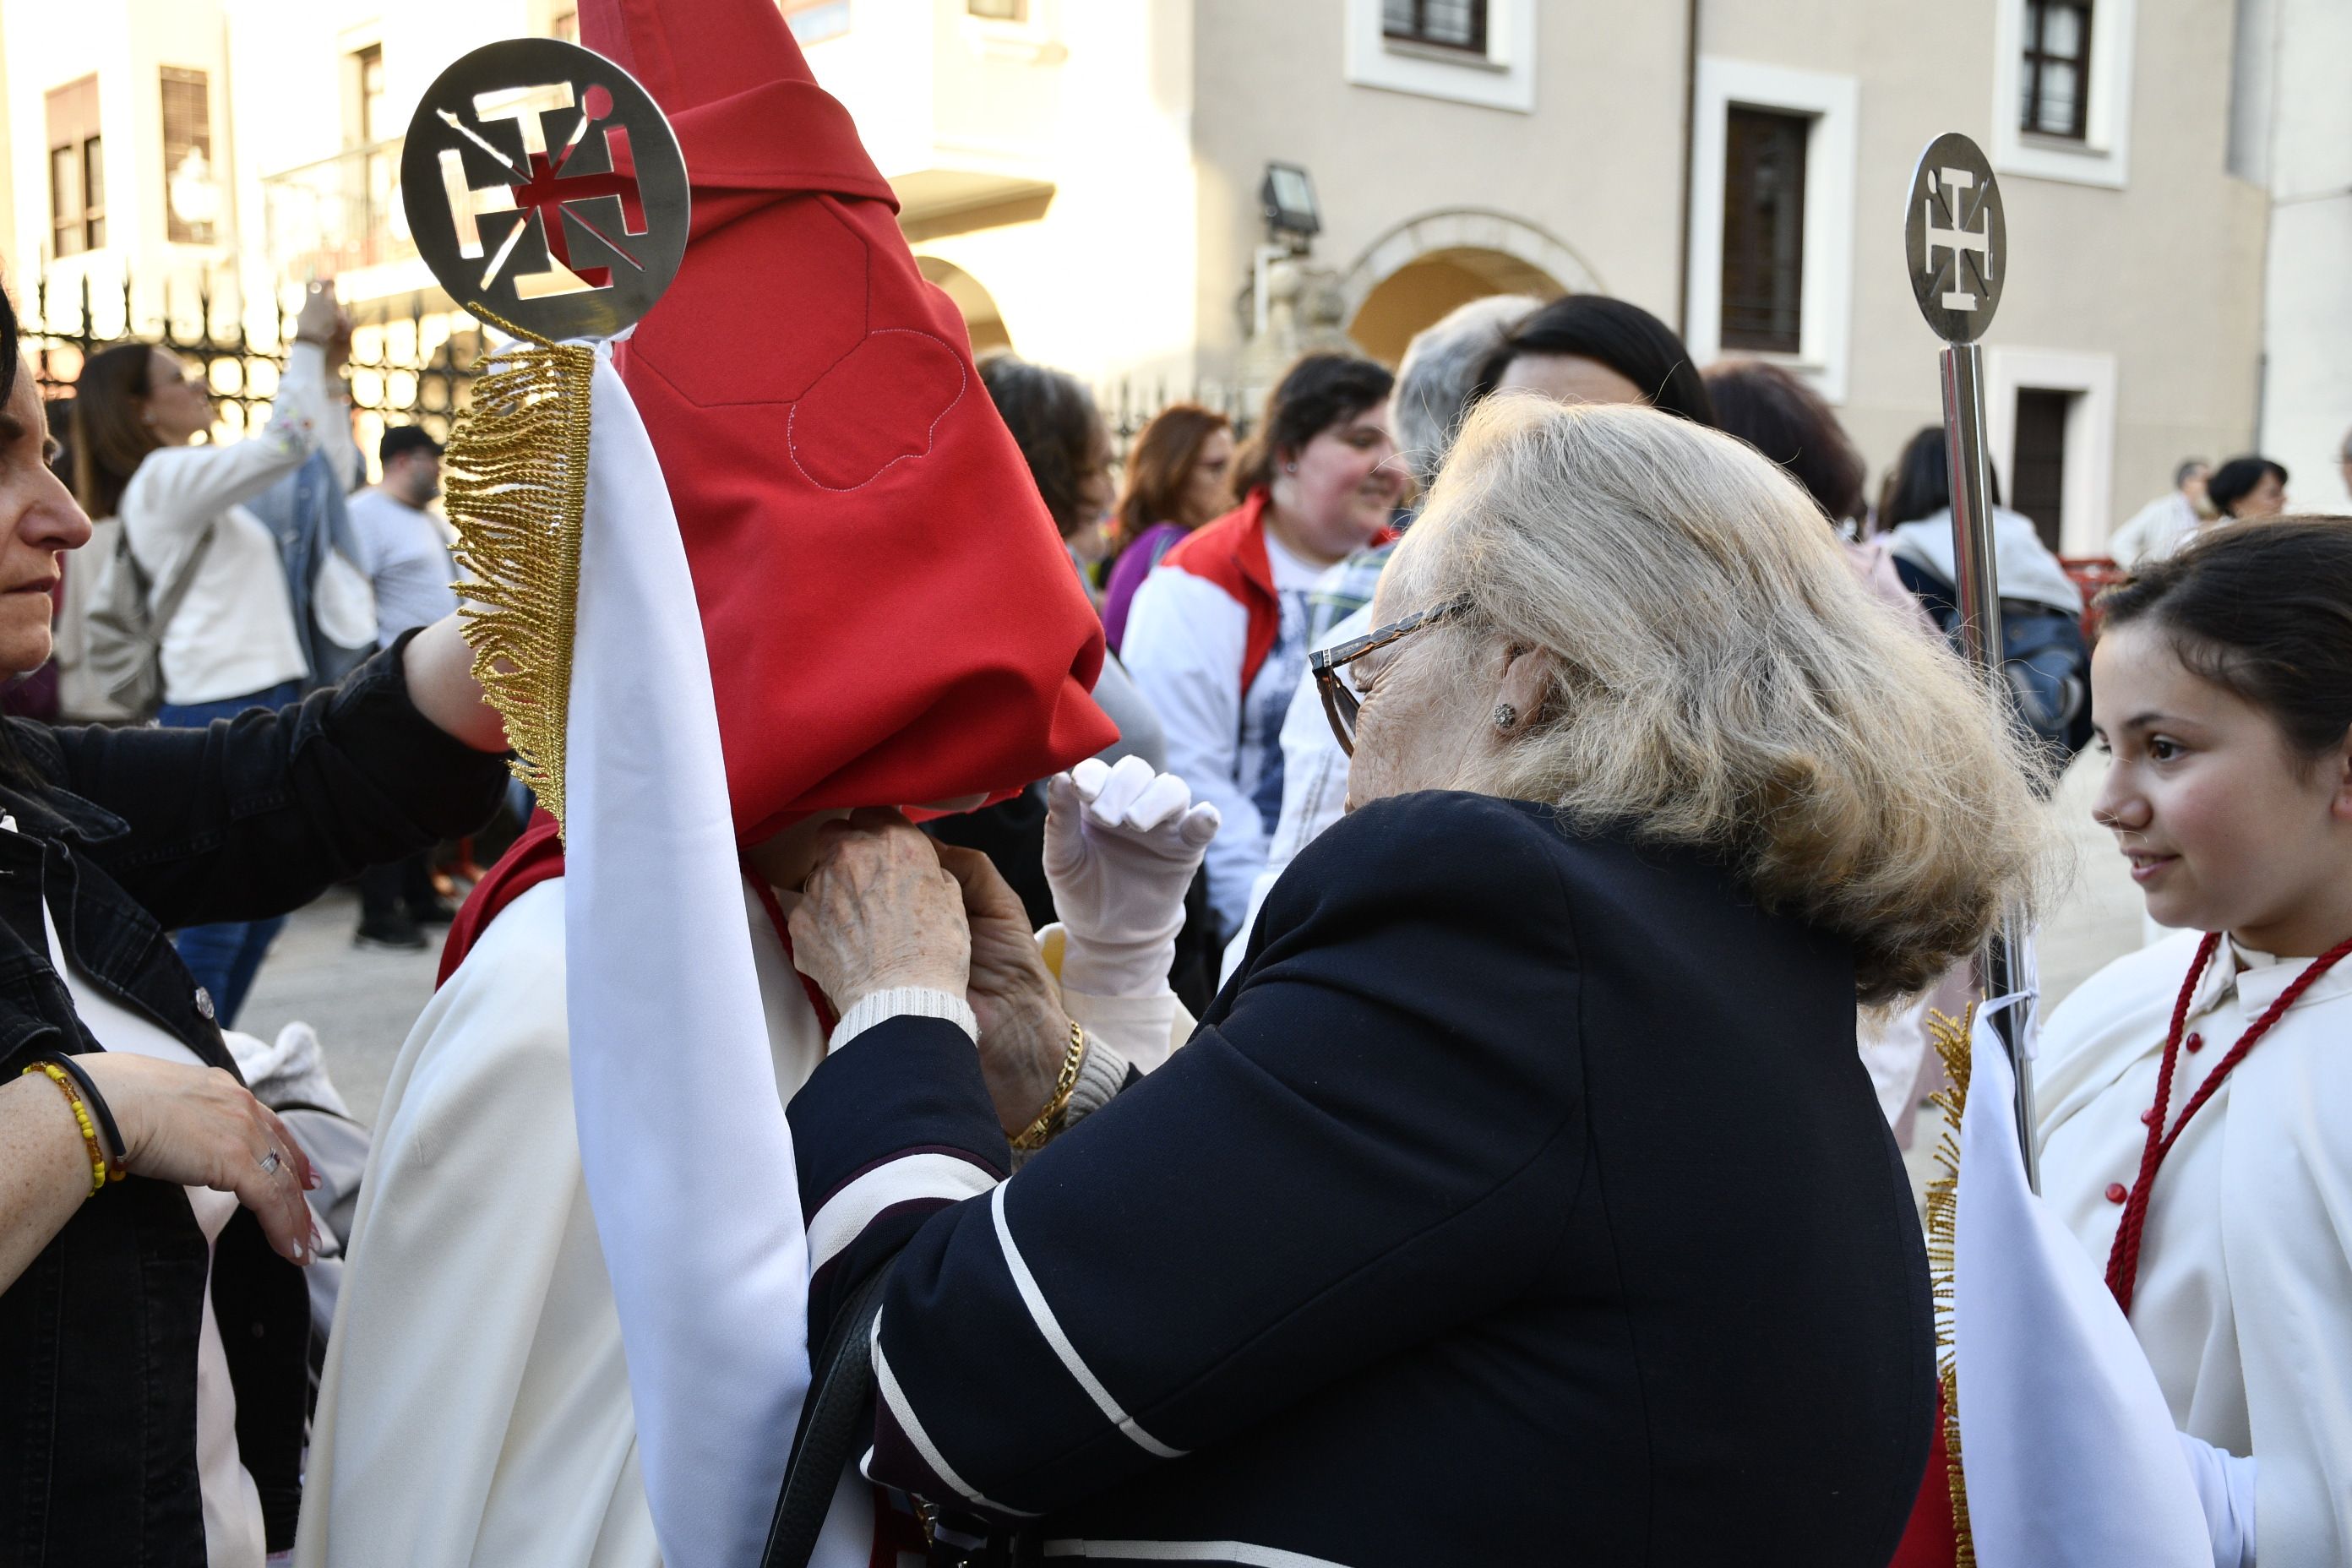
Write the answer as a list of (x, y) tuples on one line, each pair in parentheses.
[(2225, 1486), (1121, 846)]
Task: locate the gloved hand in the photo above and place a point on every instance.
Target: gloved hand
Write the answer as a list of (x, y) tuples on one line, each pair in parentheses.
[(1121, 846), (2225, 1486)]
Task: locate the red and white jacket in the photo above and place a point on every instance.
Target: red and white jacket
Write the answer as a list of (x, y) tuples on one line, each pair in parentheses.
[(1217, 642)]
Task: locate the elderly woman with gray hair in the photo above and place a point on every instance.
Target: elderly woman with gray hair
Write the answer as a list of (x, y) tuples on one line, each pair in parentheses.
[(1423, 1250)]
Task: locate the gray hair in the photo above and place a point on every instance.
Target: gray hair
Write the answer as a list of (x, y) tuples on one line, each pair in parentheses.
[(1439, 372), (1723, 682)]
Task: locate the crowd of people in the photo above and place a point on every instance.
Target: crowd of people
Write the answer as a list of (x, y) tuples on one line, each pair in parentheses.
[(1343, 988)]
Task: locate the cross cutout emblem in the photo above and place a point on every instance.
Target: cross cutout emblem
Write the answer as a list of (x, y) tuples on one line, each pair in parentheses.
[(545, 189), (1956, 237)]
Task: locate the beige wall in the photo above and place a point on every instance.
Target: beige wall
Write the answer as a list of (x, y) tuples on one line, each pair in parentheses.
[(2165, 274), (1598, 165)]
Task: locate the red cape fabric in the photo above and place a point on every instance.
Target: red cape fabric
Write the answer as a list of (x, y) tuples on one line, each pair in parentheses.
[(1928, 1539), (891, 616)]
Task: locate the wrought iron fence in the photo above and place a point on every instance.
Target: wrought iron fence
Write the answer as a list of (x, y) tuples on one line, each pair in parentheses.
[(411, 370), (1127, 410)]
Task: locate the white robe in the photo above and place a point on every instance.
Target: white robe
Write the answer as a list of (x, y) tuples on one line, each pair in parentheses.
[(475, 1408), (2244, 1302)]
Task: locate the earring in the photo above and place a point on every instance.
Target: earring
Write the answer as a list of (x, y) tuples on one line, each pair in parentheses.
[(1506, 716), (1289, 468)]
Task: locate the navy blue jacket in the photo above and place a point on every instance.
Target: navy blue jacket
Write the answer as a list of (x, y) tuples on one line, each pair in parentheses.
[(1521, 1199)]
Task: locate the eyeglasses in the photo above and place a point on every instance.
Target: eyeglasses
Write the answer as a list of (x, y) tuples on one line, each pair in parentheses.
[(1341, 701)]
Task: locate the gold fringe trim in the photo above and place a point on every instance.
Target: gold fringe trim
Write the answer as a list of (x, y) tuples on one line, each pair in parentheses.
[(517, 484), (1950, 1038)]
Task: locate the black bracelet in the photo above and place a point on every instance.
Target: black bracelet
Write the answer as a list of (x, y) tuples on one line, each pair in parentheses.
[(92, 1099)]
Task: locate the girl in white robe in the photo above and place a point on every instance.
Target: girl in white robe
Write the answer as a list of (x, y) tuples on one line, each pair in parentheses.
[(2223, 691)]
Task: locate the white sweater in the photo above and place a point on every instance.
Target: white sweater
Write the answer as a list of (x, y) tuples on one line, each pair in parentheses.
[(234, 632)]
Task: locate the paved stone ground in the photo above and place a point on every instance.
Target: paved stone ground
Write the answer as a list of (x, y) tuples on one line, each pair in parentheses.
[(362, 1001)]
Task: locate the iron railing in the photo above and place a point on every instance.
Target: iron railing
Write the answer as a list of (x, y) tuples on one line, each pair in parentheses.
[(411, 370)]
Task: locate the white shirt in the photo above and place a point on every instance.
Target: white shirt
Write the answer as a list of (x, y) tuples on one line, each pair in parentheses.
[(234, 634), (234, 1534), (405, 554), (2244, 1302), (2155, 531), (1185, 640)]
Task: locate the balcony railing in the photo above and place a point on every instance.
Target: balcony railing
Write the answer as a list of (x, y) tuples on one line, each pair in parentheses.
[(337, 214)]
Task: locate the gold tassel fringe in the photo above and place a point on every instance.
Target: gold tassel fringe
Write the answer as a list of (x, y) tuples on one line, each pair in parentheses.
[(1950, 1038), (516, 483)]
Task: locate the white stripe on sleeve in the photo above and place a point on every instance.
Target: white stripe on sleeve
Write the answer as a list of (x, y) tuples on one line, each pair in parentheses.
[(844, 1216), (1042, 1314), (1240, 1551), (893, 1399)]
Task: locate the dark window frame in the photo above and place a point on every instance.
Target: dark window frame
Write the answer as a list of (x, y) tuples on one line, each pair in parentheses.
[(1413, 26), (1763, 283), (77, 149), (2035, 56), (2039, 458)]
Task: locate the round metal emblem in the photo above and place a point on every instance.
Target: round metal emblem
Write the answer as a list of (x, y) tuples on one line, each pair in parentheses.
[(545, 189), (1957, 238)]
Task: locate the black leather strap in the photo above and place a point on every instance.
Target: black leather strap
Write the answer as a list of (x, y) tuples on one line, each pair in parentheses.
[(835, 1422)]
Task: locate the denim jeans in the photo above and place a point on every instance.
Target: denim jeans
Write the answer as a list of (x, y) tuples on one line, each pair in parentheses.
[(225, 958)]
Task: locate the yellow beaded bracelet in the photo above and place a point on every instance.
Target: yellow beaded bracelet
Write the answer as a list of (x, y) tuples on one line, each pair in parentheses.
[(102, 1169), (1049, 1121)]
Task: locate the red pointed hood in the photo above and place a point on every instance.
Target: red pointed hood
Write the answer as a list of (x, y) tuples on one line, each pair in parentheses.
[(890, 614)]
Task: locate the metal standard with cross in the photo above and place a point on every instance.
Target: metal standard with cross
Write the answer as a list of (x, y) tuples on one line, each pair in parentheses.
[(1956, 240)]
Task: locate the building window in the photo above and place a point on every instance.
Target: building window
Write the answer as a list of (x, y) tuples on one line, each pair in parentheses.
[(1764, 230), (2054, 74), (2038, 487), (364, 76), (191, 200), (1441, 24), (999, 10), (77, 170), (814, 21)]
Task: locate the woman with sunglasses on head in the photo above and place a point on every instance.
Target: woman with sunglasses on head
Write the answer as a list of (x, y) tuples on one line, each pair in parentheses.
[(151, 1211), (211, 569), (2197, 1095), (1423, 1249)]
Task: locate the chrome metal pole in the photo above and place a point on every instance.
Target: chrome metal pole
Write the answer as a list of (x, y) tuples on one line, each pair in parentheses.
[(2006, 963)]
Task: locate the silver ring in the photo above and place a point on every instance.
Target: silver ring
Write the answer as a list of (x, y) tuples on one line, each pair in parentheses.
[(269, 1163)]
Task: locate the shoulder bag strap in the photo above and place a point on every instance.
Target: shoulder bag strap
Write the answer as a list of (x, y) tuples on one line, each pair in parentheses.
[(167, 603), (834, 1423)]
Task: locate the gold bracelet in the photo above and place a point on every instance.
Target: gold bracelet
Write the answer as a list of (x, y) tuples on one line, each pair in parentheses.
[(1033, 1137), (100, 1172)]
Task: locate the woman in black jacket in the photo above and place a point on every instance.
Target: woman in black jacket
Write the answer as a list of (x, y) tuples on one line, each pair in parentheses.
[(156, 1329), (1522, 1199)]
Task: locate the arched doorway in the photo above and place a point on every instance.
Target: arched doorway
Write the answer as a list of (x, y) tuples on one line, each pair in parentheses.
[(981, 317), (1423, 268)]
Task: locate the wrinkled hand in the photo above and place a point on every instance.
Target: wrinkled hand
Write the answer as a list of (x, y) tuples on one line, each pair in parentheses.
[(1023, 1033), (198, 1127), (878, 911), (1121, 846)]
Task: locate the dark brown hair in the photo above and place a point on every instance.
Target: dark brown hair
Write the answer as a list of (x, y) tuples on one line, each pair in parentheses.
[(1054, 423), (1317, 392), (109, 437), (1614, 332), (1159, 464), (1791, 423), (2262, 610)]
